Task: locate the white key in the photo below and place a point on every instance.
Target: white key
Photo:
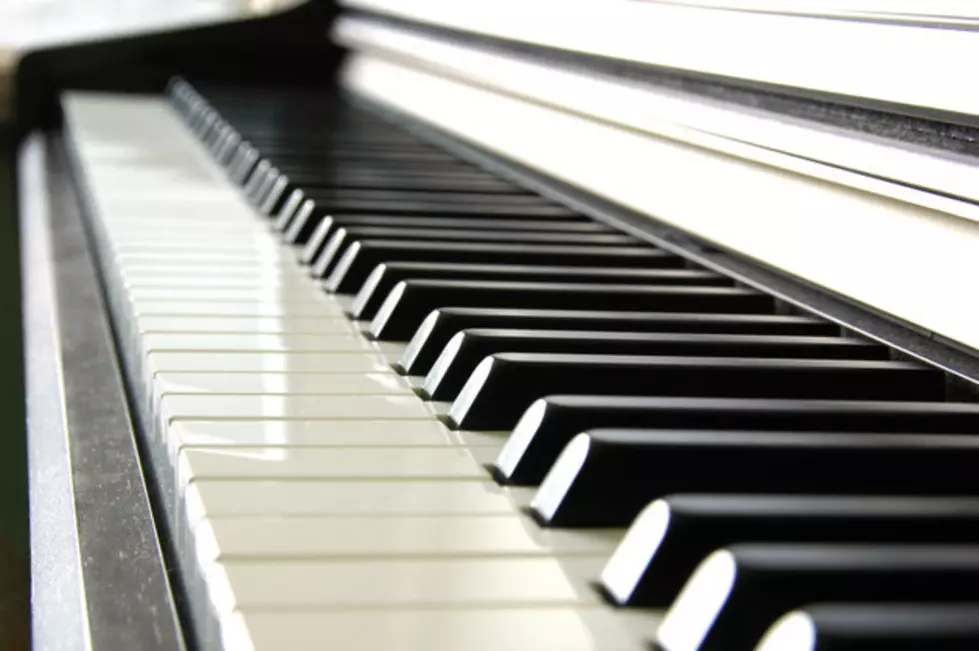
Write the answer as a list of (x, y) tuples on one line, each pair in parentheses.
[(251, 497), (433, 583), (201, 407), (256, 325), (231, 362), (393, 537), (424, 629), (388, 383), (299, 343), (288, 463), (279, 293), (325, 432), (250, 308)]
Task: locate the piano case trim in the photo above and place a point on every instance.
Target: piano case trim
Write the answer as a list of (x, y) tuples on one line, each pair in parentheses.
[(99, 579)]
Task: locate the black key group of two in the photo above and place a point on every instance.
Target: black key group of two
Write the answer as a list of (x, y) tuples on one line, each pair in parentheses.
[(775, 474)]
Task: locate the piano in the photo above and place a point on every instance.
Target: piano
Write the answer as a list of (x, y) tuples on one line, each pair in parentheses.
[(543, 326)]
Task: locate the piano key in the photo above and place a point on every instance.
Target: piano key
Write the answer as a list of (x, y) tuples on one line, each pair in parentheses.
[(317, 175), (257, 309), (300, 229), (445, 200), (289, 294), (436, 583), (435, 206), (232, 362), (361, 257), (515, 628), (504, 385), (201, 407), (257, 325), (403, 311), (673, 534), (223, 341), (282, 383), (296, 497), (875, 626), (442, 324), (551, 422), (737, 592), (302, 177), (393, 536), (330, 463), (468, 348), (385, 276), (301, 217), (605, 477), (329, 432), (344, 237)]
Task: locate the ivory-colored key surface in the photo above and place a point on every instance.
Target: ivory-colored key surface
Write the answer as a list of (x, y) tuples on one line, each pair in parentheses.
[(380, 383), (294, 407), (428, 582), (217, 341), (222, 538), (232, 308), (325, 432), (280, 293), (230, 362), (284, 463), (314, 500), (518, 628), (267, 497), (245, 324)]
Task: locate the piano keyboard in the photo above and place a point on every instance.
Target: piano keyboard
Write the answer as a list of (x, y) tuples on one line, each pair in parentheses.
[(392, 400)]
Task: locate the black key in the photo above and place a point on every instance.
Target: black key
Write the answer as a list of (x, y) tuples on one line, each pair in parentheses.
[(345, 236), (738, 592), (408, 206), (876, 627), (316, 178), (329, 223), (442, 324), (604, 477), (462, 199), (361, 258), (385, 276), (504, 385), (300, 223), (673, 534), (315, 228), (468, 348), (551, 422), (402, 157), (412, 300)]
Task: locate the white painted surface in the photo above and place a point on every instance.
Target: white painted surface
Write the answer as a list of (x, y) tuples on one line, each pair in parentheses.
[(914, 262)]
